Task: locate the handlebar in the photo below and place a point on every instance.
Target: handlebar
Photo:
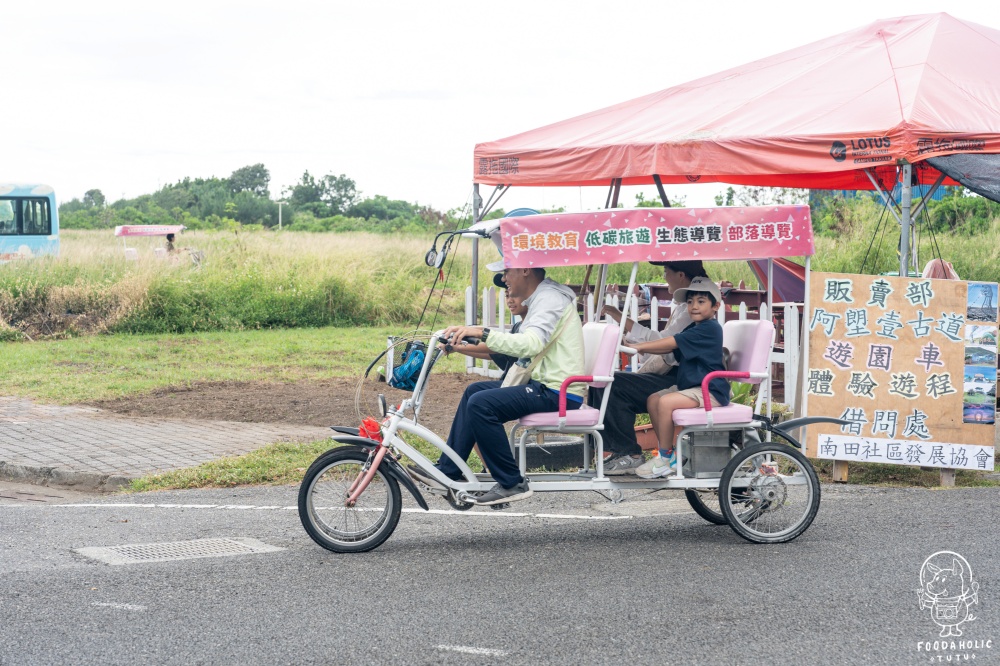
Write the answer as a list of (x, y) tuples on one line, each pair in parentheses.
[(448, 347)]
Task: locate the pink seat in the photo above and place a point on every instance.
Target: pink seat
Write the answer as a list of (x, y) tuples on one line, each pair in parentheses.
[(585, 416), (728, 414), (600, 344)]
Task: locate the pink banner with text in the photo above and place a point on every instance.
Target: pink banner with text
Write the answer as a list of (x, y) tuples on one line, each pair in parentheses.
[(656, 234)]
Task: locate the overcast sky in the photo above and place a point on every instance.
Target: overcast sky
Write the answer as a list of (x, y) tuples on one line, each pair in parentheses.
[(129, 96)]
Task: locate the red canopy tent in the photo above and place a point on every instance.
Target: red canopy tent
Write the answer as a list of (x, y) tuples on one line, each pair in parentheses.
[(858, 110), (906, 88)]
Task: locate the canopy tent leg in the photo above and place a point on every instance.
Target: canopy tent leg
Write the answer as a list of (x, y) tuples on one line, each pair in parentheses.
[(495, 196), (659, 188), (630, 302), (472, 304), (905, 221), (583, 288), (801, 401), (887, 199), (613, 192), (770, 314), (905, 214)]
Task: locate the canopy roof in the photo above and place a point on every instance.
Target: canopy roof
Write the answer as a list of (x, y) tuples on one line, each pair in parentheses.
[(907, 88)]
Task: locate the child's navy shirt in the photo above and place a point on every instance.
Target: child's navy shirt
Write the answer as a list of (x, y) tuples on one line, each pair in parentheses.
[(699, 352)]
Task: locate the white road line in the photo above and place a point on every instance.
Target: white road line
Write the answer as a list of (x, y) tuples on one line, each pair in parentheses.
[(570, 515), (245, 507), (473, 650), (129, 607)]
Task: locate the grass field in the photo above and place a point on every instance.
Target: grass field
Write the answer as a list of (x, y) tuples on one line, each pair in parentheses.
[(266, 279), (112, 366)]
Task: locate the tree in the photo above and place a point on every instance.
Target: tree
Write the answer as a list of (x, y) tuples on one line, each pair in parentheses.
[(340, 193), (331, 195), (93, 198), (254, 178), (307, 191), (381, 207), (727, 199), (641, 201), (761, 196)]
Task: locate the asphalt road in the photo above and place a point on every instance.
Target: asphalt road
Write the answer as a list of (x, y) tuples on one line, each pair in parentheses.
[(642, 582)]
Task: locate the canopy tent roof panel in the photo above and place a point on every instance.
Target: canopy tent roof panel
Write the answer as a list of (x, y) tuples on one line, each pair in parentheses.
[(906, 88)]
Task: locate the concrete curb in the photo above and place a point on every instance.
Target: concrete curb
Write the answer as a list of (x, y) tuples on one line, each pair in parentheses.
[(63, 478)]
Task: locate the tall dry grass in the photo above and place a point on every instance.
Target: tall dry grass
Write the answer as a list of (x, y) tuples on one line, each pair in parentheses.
[(247, 280), (265, 279)]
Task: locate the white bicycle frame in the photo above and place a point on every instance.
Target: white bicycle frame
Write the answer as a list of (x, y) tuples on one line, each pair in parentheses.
[(397, 422)]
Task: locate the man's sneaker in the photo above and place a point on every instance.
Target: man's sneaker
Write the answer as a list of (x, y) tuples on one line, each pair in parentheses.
[(657, 466), (423, 477), (500, 495), (622, 465)]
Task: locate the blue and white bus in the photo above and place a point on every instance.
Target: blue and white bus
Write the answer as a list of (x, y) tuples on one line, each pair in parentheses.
[(29, 222)]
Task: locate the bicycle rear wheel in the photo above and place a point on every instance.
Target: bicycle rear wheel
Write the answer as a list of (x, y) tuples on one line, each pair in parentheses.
[(773, 493), (323, 507), (706, 504)]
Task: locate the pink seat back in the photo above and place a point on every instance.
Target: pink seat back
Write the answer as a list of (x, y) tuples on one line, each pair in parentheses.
[(749, 344), (600, 343)]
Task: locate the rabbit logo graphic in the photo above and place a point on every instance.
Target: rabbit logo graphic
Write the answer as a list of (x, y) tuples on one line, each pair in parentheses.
[(948, 591)]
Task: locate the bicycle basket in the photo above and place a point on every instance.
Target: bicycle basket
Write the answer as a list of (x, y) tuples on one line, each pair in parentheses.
[(394, 372), (404, 376)]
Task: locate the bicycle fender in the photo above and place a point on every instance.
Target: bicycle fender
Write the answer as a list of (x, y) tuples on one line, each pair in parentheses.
[(391, 467), (354, 440), (346, 430), (794, 424), (396, 471)]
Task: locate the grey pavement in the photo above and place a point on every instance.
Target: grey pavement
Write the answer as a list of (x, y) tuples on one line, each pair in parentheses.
[(562, 578), (93, 449)]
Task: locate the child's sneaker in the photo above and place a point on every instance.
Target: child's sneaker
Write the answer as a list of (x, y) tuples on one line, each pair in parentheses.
[(657, 466)]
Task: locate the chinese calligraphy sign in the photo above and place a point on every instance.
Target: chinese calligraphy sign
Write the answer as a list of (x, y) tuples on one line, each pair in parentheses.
[(909, 364)]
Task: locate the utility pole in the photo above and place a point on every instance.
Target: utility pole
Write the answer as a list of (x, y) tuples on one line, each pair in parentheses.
[(280, 204)]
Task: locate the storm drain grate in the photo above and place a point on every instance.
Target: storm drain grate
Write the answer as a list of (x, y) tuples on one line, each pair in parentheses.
[(176, 550)]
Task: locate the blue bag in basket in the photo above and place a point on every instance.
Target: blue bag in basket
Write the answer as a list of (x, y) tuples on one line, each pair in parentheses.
[(406, 374)]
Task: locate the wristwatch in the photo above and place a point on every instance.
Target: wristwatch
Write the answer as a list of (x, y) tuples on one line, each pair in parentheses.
[(486, 334)]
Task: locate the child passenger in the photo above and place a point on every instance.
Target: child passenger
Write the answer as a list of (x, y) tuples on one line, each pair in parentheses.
[(698, 350)]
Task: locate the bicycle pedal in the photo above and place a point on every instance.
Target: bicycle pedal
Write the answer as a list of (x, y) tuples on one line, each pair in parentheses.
[(500, 507)]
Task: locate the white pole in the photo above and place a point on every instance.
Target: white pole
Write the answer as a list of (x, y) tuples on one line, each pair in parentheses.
[(280, 204), (904, 233)]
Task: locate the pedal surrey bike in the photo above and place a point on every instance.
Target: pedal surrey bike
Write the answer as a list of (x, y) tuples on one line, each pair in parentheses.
[(350, 499)]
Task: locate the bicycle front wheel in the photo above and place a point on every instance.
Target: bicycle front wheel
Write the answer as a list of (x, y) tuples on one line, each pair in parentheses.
[(773, 493), (324, 510)]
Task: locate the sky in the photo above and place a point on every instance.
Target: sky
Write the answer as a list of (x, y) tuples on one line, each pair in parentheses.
[(129, 96)]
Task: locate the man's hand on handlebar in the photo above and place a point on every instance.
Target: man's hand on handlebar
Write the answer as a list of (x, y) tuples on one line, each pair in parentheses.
[(454, 336)]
